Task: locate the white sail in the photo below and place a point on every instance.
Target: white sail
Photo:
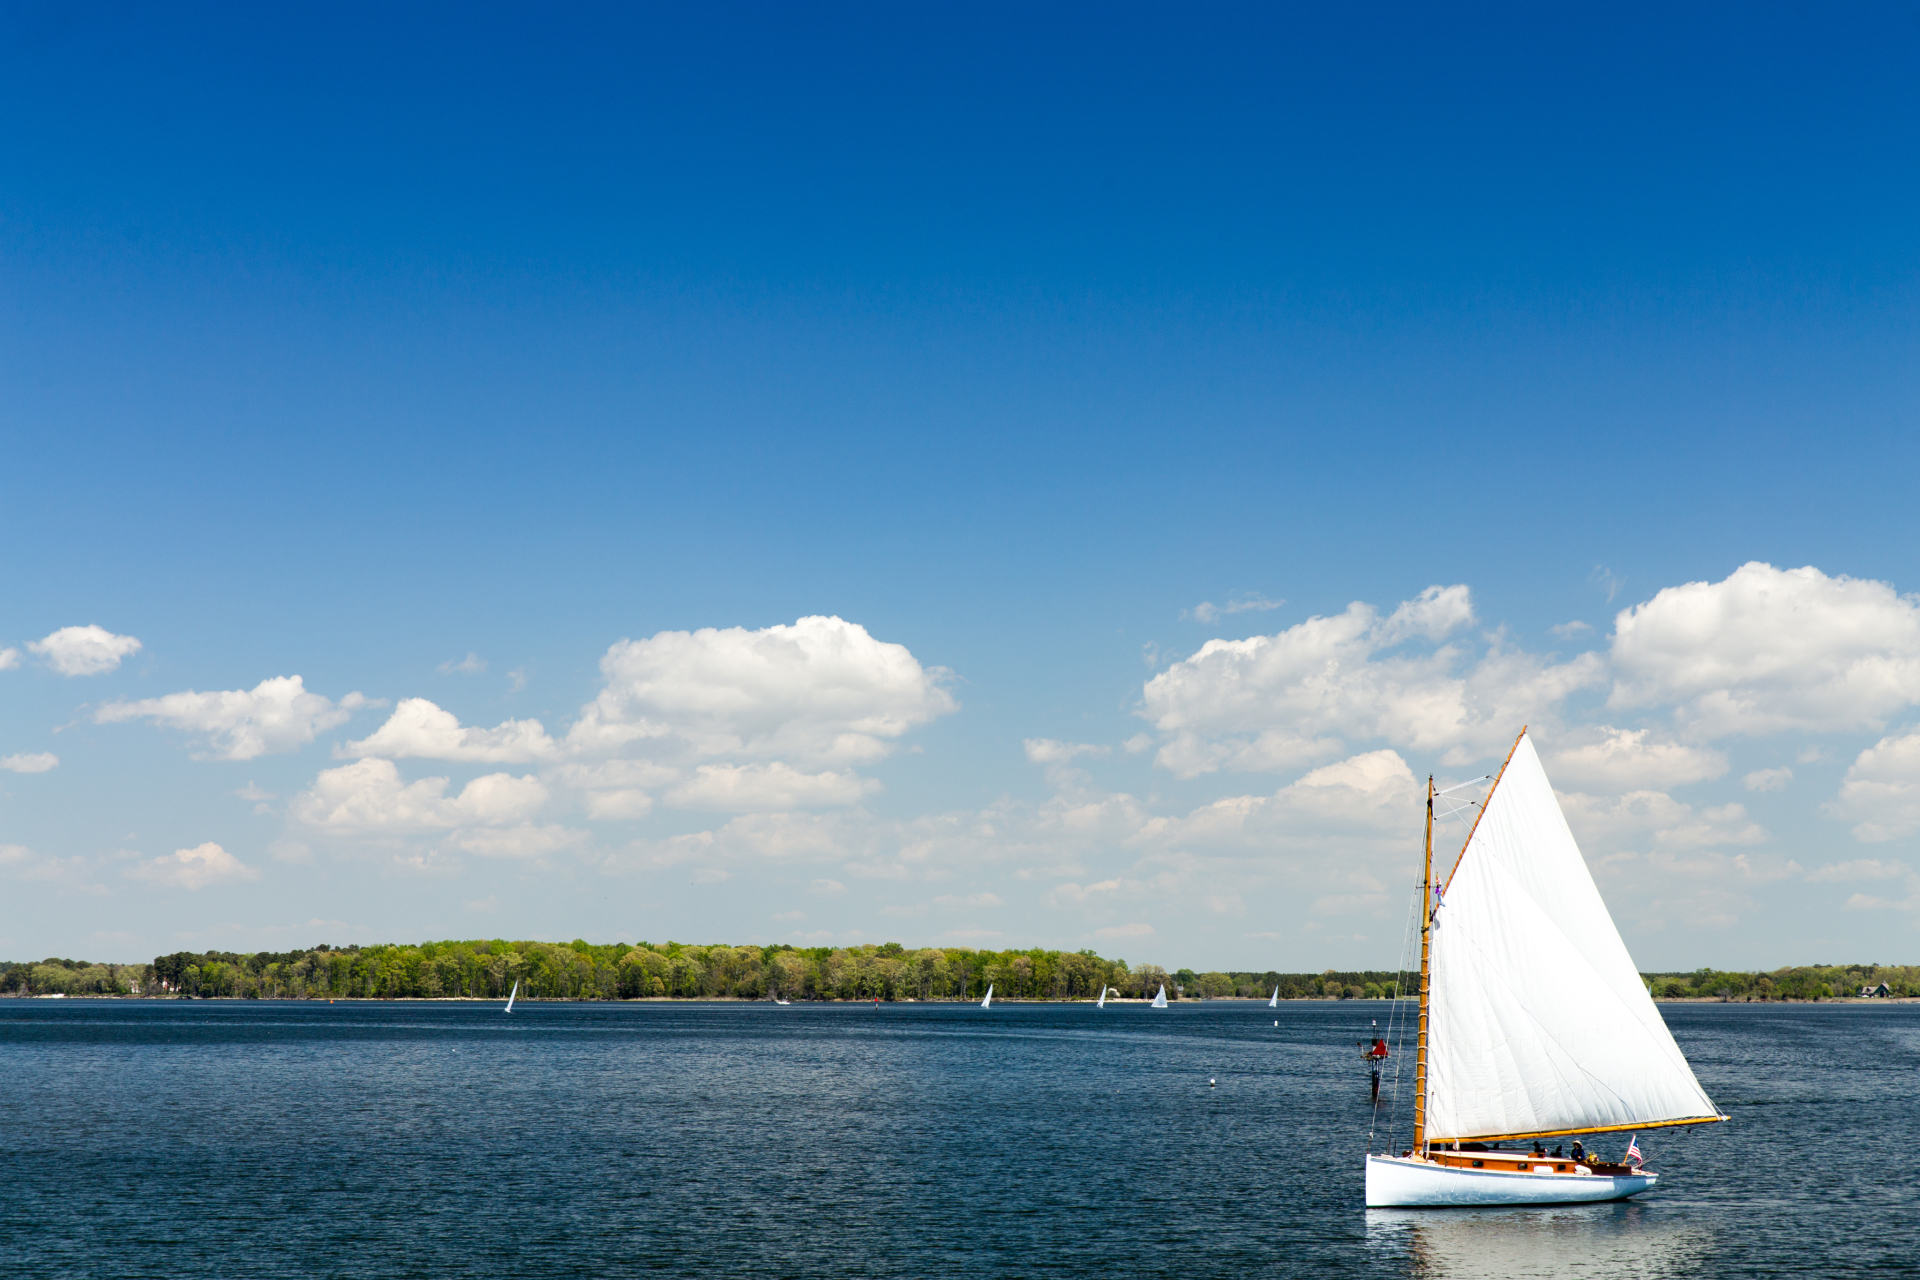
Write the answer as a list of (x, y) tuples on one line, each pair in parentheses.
[(510, 995), (1160, 1001), (1539, 1021), (1102, 1002), (1275, 1002), (988, 1002)]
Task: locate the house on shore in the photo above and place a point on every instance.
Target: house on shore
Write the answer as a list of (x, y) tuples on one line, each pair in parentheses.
[(1883, 991)]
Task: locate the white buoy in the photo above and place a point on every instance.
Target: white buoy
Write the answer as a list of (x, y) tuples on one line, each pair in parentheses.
[(1210, 1082)]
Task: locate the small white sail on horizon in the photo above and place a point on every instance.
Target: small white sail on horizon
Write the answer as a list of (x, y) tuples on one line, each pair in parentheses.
[(1160, 1001), (510, 995), (1274, 1003), (1101, 1003), (988, 1002)]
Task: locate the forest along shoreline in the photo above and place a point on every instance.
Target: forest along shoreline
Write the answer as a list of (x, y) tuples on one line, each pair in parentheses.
[(487, 969)]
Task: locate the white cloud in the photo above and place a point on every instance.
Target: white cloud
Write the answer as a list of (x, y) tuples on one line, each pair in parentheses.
[(1276, 702), (1048, 751), (1568, 630), (251, 792), (420, 729), (1881, 792), (826, 888), (30, 762), (1859, 869), (9, 659), (1208, 612), (1627, 759), (1767, 779), (1602, 822), (370, 796), (472, 665), (777, 786), (523, 841), (194, 868), (1071, 894), (275, 715), (1371, 794), (969, 900), (1770, 649), (820, 691), (1135, 929), (84, 651)]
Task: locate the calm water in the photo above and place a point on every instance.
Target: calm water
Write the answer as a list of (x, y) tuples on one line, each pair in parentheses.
[(263, 1139)]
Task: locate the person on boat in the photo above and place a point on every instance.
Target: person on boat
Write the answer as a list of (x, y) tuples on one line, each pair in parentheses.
[(1557, 1154), (1539, 1148), (1579, 1152)]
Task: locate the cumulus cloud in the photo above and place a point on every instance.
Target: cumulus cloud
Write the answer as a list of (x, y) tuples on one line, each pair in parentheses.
[(9, 659), (1770, 649), (522, 841), (369, 796), (1371, 794), (1767, 779), (194, 868), (420, 729), (1208, 612), (239, 724), (751, 788), (1857, 870), (1631, 758), (819, 692), (1881, 792), (1601, 822), (1048, 751), (30, 762), (84, 651), (471, 665), (1271, 703)]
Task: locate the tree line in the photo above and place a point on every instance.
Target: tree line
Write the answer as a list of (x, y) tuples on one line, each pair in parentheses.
[(489, 969)]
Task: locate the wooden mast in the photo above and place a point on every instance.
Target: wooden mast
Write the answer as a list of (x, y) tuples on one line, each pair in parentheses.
[(1426, 960)]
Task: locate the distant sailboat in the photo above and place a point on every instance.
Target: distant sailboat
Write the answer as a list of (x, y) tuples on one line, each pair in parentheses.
[(1275, 1002), (510, 995), (1101, 1003), (988, 1002), (1160, 1001)]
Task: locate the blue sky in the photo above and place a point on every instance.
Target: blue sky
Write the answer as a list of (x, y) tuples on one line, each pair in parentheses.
[(343, 344)]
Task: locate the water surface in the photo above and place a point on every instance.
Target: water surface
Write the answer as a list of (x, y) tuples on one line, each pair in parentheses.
[(241, 1139)]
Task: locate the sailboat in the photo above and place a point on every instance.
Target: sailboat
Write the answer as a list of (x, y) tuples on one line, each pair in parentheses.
[(1533, 1022), (1274, 1003), (510, 995), (1160, 1001), (988, 1002), (1101, 1003)]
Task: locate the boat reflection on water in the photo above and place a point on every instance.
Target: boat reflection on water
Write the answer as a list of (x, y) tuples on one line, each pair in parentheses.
[(1620, 1240)]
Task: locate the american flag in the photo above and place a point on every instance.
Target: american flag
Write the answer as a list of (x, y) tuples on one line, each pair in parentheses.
[(1633, 1156)]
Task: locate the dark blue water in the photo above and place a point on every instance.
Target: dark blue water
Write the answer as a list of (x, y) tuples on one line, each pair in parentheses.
[(261, 1139)]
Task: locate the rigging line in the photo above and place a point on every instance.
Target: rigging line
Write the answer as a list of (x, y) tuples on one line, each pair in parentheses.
[(1461, 786)]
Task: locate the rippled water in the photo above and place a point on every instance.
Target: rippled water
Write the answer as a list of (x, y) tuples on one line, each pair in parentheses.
[(264, 1139)]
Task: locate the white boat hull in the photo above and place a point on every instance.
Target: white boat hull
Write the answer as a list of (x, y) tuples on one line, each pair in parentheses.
[(1394, 1182)]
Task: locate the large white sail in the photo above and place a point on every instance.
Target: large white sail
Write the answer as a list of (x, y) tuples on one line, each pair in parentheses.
[(1539, 1023), (1160, 1001)]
